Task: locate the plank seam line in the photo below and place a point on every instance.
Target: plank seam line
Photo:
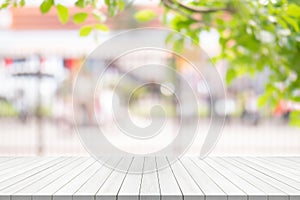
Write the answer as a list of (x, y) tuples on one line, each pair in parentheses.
[(157, 175), (182, 196), (267, 174), (140, 189), (205, 198), (209, 178), (45, 175), (112, 170), (34, 173), (124, 178), (211, 166), (74, 177), (241, 176), (102, 164), (259, 178)]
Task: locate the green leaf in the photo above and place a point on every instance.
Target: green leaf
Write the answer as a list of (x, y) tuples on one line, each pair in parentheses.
[(293, 10), (121, 4), (145, 15), (79, 18), (98, 15), (46, 6), (85, 30), (63, 13), (80, 3), (178, 45), (295, 118), (112, 10), (169, 38), (230, 75), (264, 99), (5, 4), (282, 22), (22, 3), (101, 27), (107, 2), (292, 22)]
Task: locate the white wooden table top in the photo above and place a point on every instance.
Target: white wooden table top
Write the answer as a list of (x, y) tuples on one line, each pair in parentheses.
[(82, 178)]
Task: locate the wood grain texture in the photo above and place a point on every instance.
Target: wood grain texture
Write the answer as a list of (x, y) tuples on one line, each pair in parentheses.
[(189, 178)]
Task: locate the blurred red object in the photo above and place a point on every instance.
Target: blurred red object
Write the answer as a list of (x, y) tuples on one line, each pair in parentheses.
[(283, 107), (8, 62), (70, 63)]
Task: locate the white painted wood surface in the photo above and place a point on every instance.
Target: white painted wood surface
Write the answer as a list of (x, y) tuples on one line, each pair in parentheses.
[(214, 178)]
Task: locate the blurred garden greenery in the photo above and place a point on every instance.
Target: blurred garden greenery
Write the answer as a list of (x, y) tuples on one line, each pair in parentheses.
[(255, 35)]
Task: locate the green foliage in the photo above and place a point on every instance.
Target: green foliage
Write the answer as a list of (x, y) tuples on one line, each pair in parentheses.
[(22, 3), (145, 15), (230, 75), (254, 35), (295, 118), (293, 10), (85, 30), (79, 18), (7, 109), (98, 15), (62, 13), (114, 6), (101, 27), (46, 6), (81, 3)]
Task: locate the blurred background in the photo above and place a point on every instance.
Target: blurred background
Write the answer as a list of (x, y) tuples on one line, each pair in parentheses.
[(39, 59)]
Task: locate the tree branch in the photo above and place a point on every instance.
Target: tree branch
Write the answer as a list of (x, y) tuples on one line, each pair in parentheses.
[(189, 11), (196, 9), (170, 5)]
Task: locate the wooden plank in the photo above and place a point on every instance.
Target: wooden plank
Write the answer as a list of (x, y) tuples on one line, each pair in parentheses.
[(67, 191), (150, 188), (8, 161), (89, 189), (14, 177), (14, 163), (253, 192), (280, 166), (283, 183), (214, 178), (274, 193), (11, 189), (27, 192), (168, 184), (285, 161), (292, 158), (288, 172), (273, 172), (131, 186), (263, 176), (188, 187), (210, 189), (112, 185), (231, 190), (24, 164), (20, 169), (4, 159), (47, 192)]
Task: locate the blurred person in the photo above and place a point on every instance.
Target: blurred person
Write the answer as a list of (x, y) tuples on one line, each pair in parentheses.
[(61, 112), (105, 106), (250, 111), (84, 95), (230, 106), (21, 106)]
